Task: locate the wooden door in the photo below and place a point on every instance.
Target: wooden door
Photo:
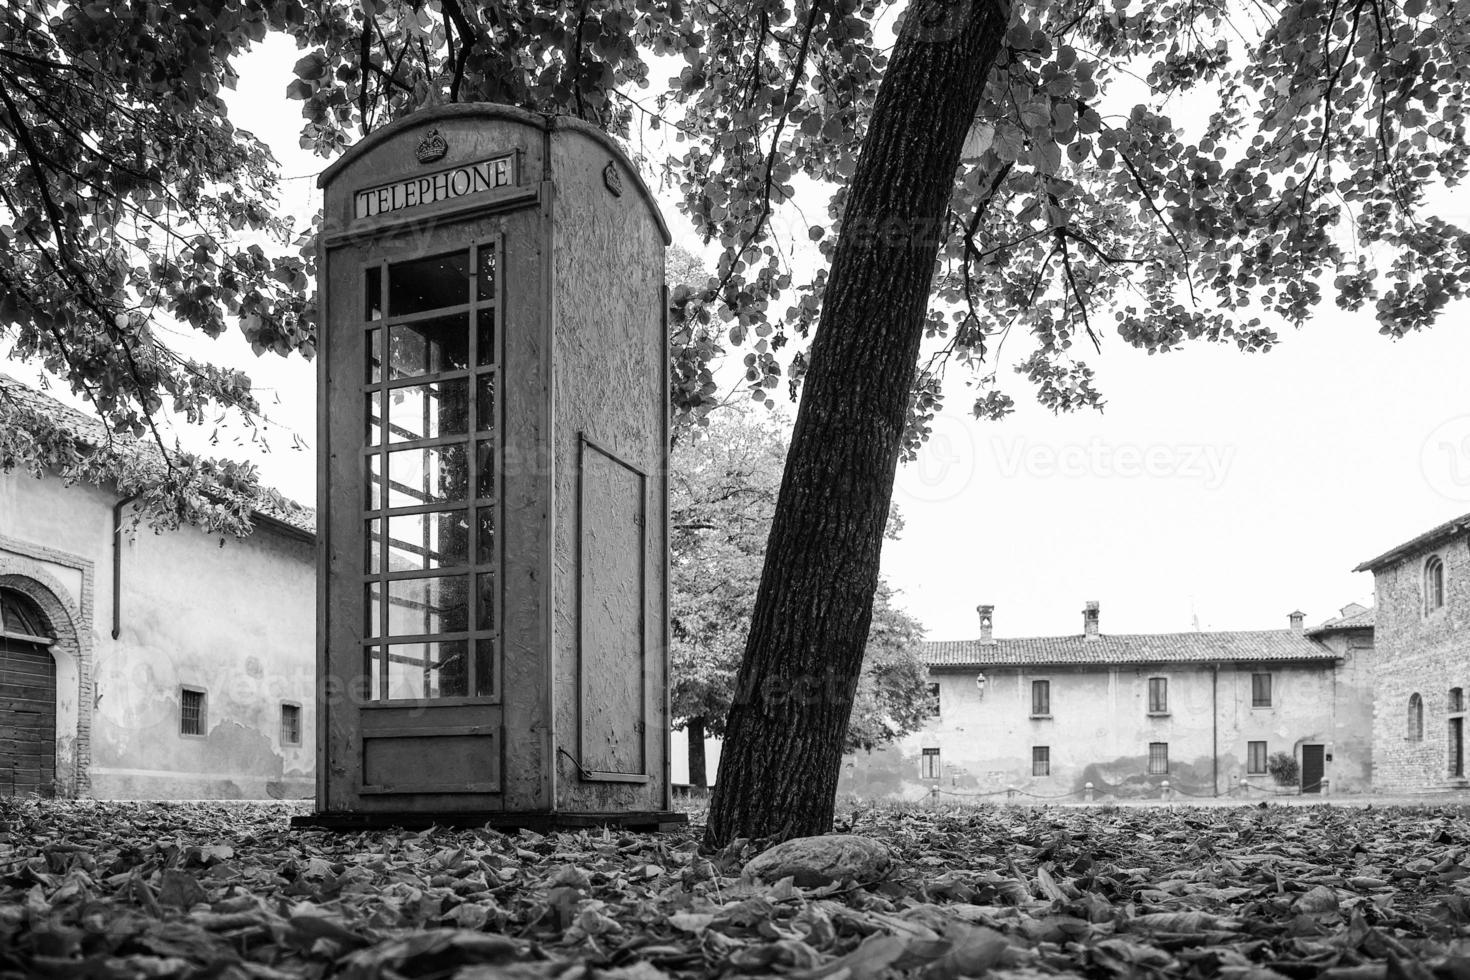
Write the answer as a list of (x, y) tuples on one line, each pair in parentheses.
[(1312, 768), (27, 718)]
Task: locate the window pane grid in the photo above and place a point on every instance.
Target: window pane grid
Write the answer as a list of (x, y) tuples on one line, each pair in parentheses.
[(430, 563), (1158, 758), (191, 712), (290, 724), (1041, 760), (929, 764)]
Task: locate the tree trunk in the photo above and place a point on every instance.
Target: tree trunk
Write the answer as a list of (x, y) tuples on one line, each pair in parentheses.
[(698, 776), (782, 751)]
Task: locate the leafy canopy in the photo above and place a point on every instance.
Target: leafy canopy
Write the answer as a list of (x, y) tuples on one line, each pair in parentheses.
[(723, 486), (1183, 170)]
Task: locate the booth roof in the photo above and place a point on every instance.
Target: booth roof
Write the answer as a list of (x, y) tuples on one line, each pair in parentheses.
[(545, 123)]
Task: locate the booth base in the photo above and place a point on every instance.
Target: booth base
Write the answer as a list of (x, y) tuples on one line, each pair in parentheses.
[(539, 821)]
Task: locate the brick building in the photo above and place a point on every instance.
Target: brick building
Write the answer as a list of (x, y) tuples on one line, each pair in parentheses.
[(1422, 590), (143, 665), (1204, 710)]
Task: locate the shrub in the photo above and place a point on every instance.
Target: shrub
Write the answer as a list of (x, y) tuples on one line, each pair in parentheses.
[(1283, 768)]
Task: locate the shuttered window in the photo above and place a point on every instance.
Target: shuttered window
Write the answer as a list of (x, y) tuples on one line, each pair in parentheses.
[(1255, 761)]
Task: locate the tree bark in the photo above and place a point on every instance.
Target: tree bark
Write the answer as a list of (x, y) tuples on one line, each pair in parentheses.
[(698, 775), (782, 751)]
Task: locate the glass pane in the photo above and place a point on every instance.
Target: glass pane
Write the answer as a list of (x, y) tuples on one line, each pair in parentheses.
[(485, 590), (434, 540), (428, 284), (374, 670), (372, 499), (372, 623), (427, 476), (428, 605), (484, 667), (485, 274), (485, 548), (441, 343), (374, 355), (484, 337), (372, 298), (373, 534), (486, 459), (428, 411), (485, 403), (427, 670), (374, 416)]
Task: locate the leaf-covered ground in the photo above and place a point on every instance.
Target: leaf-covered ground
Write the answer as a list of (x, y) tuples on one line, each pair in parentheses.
[(230, 891)]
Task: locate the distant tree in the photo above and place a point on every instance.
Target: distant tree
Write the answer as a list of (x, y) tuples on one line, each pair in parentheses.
[(723, 486)]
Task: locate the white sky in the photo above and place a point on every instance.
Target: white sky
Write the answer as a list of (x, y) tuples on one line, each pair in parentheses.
[(1234, 487)]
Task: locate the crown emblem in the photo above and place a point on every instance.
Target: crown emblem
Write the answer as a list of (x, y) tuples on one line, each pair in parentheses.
[(432, 147)]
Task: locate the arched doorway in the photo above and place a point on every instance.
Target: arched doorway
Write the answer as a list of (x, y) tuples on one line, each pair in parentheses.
[(27, 698)]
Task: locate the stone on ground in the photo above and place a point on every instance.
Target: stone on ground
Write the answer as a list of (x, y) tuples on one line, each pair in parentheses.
[(816, 861)]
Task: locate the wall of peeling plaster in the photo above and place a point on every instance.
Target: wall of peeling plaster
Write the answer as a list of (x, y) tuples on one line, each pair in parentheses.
[(236, 620), (1100, 732)]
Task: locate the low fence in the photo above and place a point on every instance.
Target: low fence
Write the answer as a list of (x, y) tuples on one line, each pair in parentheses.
[(1243, 791)]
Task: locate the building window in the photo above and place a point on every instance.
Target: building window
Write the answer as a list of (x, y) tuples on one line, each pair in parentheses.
[(1040, 698), (1158, 695), (191, 711), (1416, 718), (290, 724), (1457, 699), (1433, 584), (1260, 690), (1158, 758), (929, 764), (931, 701), (1041, 760), (1255, 758)]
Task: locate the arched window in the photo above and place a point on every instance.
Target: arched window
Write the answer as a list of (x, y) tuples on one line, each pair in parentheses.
[(1416, 718), (19, 615), (1433, 584)]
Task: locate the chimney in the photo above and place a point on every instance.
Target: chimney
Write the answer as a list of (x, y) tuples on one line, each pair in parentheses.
[(1296, 620), (1089, 619), (987, 616)]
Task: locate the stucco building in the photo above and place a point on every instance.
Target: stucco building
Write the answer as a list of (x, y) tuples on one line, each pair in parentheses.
[(136, 664), (1422, 590), (1204, 710)]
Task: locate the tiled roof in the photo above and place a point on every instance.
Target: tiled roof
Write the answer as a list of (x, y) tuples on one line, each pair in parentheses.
[(1127, 648), (90, 431), (1353, 617), (1434, 535)]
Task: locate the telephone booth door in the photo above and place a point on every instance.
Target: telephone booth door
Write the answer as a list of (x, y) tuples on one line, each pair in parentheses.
[(415, 651)]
